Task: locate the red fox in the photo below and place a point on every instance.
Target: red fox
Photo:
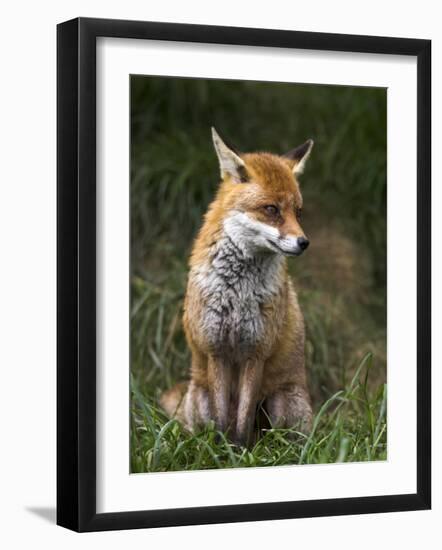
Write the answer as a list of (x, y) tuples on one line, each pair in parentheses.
[(242, 319)]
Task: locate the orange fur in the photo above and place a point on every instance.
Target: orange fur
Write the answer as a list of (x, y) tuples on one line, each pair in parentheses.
[(226, 387)]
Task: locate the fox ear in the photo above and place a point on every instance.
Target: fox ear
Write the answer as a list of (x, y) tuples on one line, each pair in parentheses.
[(299, 156), (230, 163)]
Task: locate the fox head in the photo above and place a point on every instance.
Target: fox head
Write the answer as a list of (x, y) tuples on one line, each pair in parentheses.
[(261, 199)]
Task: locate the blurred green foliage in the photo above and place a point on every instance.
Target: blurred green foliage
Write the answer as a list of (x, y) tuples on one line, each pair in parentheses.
[(174, 168), (341, 280)]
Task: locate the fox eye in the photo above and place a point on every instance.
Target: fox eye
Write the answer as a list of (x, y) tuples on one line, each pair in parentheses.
[(271, 209), (298, 212)]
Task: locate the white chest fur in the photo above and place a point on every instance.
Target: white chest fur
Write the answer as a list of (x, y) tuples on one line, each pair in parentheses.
[(234, 286)]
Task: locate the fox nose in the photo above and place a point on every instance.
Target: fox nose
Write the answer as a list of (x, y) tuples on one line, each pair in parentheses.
[(303, 243)]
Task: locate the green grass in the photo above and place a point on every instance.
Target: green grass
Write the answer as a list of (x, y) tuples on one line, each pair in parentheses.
[(350, 423), (341, 280), (349, 427)]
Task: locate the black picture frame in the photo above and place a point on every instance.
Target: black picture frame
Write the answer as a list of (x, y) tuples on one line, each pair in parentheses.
[(76, 273)]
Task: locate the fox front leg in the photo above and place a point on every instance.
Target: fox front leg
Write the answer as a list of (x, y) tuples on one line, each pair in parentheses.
[(250, 381), (220, 379)]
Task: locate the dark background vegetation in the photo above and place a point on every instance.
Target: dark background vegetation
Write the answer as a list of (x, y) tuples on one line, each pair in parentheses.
[(341, 280)]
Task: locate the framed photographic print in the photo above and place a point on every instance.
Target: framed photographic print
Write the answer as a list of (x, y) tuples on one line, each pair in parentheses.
[(243, 274)]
